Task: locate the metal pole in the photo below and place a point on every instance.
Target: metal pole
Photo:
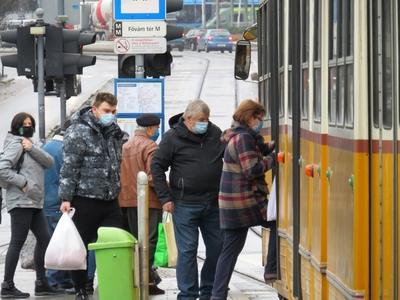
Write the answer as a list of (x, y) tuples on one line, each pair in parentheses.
[(239, 13), (40, 66), (60, 8), (246, 12), (232, 14), (139, 66), (143, 229), (217, 12), (203, 13), (63, 105)]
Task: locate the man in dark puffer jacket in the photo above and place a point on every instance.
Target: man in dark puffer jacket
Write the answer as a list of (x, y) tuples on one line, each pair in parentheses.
[(89, 178)]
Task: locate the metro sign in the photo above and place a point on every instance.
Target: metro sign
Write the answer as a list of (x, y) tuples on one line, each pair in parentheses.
[(140, 29)]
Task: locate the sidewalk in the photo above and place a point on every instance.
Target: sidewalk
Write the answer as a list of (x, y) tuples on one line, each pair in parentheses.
[(241, 287)]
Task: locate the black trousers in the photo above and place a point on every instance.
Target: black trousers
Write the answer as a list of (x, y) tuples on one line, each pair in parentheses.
[(155, 217), (233, 243), (91, 214), (271, 265), (23, 219)]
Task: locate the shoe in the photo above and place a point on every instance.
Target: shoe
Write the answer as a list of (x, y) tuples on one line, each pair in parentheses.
[(270, 277), (8, 290), (81, 295), (42, 288), (89, 287), (155, 290)]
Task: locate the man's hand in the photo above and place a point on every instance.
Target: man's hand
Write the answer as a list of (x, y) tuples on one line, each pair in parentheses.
[(26, 144), (65, 206), (168, 207)]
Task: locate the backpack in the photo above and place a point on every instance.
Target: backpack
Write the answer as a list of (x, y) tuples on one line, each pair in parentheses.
[(17, 168)]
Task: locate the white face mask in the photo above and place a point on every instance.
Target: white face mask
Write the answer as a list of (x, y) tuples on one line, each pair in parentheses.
[(107, 119)]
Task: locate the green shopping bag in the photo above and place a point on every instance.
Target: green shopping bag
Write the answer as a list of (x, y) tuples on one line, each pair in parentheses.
[(166, 251)]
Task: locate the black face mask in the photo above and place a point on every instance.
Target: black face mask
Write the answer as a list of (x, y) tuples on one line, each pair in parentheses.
[(26, 131)]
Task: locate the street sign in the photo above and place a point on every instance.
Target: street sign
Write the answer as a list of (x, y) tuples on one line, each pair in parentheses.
[(140, 45), (129, 29), (139, 10)]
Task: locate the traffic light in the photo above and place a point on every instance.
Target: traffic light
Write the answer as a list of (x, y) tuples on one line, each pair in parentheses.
[(63, 52), (25, 59), (156, 65), (126, 66)]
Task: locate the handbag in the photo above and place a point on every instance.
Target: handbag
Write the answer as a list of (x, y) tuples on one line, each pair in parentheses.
[(166, 252)]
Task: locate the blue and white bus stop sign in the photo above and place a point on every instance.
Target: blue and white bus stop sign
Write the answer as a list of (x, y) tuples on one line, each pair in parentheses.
[(139, 10)]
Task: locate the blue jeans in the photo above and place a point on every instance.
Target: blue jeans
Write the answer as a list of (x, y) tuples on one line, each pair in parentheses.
[(188, 219)]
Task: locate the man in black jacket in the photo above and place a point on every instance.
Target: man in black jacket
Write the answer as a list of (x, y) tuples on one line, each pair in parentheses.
[(89, 177), (193, 152)]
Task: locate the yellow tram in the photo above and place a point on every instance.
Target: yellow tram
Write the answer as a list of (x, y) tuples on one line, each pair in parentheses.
[(329, 77)]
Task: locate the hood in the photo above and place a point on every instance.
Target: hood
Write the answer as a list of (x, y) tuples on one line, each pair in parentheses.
[(235, 129), (174, 120), (11, 139), (85, 115)]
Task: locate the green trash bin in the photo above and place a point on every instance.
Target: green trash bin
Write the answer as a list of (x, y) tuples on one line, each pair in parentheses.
[(115, 264)]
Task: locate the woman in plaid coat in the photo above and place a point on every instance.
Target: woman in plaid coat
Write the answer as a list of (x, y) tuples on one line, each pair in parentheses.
[(243, 190)]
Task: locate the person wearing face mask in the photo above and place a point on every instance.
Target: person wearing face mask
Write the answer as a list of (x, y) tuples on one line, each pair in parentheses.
[(243, 190), (90, 173), (193, 152), (137, 154), (22, 169)]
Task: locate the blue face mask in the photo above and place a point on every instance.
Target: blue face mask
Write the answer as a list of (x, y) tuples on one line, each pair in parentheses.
[(200, 127), (258, 127), (156, 134), (107, 119)]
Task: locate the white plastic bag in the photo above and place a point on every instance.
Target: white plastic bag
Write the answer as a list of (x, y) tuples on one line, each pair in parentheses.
[(66, 250), (271, 210)]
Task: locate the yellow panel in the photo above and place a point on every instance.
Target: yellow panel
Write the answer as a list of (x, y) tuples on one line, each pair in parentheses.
[(334, 294), (341, 217), (361, 223), (305, 229), (305, 278)]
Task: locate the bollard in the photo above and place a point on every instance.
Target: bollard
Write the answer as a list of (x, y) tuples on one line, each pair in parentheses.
[(143, 230)]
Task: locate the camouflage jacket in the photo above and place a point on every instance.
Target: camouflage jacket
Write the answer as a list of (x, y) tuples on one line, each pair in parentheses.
[(92, 157)]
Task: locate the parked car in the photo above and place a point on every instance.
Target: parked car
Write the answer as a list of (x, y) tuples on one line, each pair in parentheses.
[(177, 43), (191, 38), (215, 39)]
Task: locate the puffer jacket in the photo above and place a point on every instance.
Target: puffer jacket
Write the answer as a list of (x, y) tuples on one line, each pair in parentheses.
[(136, 156), (32, 173), (92, 156), (243, 190)]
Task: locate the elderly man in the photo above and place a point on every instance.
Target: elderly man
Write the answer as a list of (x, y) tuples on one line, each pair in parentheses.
[(136, 156), (193, 152)]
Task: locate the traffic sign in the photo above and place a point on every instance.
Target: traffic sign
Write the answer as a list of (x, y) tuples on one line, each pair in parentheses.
[(140, 45), (139, 10), (128, 29)]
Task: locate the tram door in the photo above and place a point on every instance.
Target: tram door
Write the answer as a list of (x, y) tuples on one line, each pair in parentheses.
[(384, 156)]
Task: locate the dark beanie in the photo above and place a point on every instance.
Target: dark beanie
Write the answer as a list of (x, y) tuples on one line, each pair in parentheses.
[(147, 120)]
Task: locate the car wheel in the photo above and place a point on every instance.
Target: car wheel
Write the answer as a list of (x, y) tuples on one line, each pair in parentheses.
[(230, 50), (193, 47), (181, 49), (222, 51), (207, 50)]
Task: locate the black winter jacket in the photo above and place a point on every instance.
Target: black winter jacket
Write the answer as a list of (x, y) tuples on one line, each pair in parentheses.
[(195, 162), (92, 157)]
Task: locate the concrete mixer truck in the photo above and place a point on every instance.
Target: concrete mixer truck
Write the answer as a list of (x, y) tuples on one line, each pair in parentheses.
[(97, 16)]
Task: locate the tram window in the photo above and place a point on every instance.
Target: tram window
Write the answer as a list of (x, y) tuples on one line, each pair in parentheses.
[(281, 93), (317, 30), (333, 28), (341, 95), (290, 92), (317, 62), (387, 65), (332, 95), (349, 28), (305, 30), (317, 94), (261, 92), (281, 32), (268, 98), (349, 109), (304, 98)]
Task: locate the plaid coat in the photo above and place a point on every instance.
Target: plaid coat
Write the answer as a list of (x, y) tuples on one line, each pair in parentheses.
[(243, 190)]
